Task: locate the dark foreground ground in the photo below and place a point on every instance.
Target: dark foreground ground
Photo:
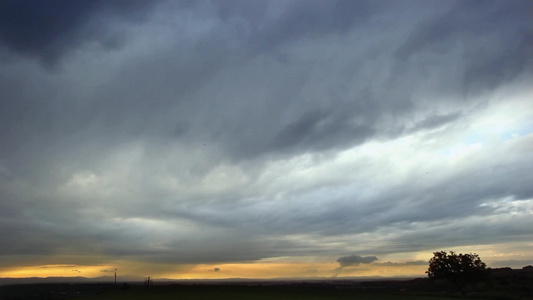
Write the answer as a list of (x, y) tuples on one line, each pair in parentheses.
[(503, 285), (310, 291)]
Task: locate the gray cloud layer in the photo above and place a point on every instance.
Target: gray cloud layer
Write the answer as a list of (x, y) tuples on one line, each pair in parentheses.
[(48, 30), (194, 132)]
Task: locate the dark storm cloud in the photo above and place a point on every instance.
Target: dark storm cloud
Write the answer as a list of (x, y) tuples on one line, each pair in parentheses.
[(49, 29), (480, 28), (320, 129), (311, 19), (320, 126), (225, 126)]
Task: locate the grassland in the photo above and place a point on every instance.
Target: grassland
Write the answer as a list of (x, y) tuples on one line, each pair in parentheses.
[(205, 292)]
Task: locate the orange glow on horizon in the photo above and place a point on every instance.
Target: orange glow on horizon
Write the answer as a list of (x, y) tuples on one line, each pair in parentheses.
[(259, 270), (60, 270)]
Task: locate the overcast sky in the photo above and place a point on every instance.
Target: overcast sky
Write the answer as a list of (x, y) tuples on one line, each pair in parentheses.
[(245, 138)]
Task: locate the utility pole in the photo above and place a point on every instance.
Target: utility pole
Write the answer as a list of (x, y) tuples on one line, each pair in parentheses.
[(115, 276)]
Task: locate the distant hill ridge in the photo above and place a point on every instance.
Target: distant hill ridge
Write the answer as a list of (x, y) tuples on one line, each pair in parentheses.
[(77, 279)]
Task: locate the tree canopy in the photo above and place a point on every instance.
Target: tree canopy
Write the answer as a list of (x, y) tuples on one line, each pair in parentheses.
[(460, 269)]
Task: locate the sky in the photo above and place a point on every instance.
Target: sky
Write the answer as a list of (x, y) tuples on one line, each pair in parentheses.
[(263, 139)]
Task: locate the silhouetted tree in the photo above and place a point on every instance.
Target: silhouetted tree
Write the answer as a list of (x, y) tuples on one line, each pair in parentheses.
[(460, 269)]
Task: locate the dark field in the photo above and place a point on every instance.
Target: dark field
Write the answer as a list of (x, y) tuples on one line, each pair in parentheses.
[(252, 292), (503, 284), (202, 291)]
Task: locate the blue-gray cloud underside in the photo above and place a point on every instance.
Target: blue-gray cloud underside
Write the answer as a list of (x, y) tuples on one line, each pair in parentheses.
[(195, 132)]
